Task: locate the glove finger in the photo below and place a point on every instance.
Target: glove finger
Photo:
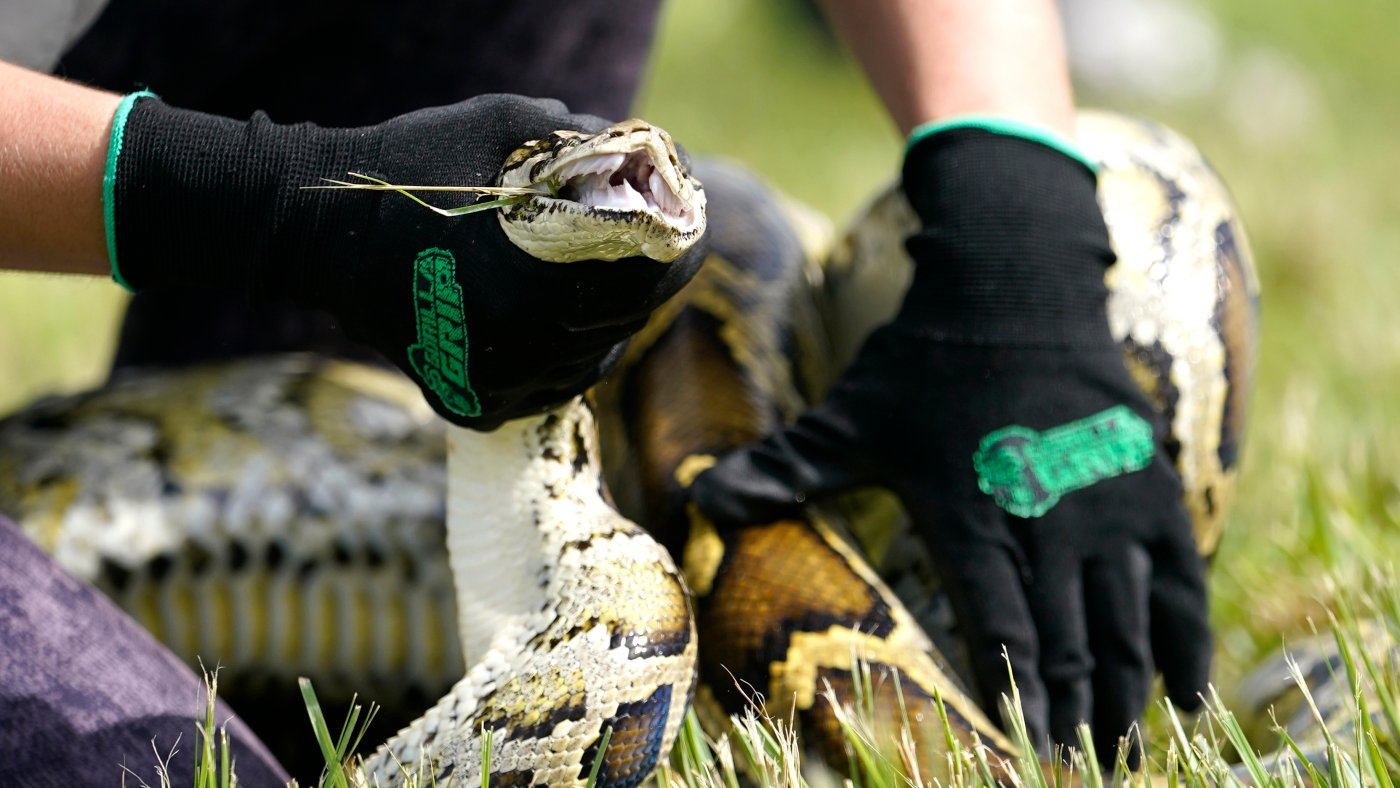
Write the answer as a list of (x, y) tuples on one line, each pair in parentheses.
[(1179, 612), (567, 383), (578, 378), (536, 393), (590, 294), (580, 347), (579, 373), (594, 294), (772, 478), (626, 321), (513, 364), (1116, 587), (516, 115), (1055, 596), (982, 569), (1181, 636)]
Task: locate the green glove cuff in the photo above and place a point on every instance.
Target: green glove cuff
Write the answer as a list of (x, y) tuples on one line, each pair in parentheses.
[(109, 180), (1001, 125)]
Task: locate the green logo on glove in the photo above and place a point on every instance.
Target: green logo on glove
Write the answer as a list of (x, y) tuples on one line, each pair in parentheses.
[(1026, 471), (440, 355)]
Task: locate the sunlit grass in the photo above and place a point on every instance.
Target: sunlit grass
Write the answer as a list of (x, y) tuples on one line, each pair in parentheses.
[(1346, 736), (1350, 743), (214, 767)]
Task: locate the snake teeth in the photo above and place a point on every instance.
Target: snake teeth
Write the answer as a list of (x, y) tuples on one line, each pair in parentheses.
[(667, 198), (626, 182), (600, 163), (625, 188)]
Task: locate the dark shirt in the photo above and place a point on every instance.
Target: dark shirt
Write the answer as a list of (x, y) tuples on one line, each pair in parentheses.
[(354, 62)]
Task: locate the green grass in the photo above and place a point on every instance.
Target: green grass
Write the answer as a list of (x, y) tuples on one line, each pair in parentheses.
[(1350, 743), (214, 767), (1347, 736)]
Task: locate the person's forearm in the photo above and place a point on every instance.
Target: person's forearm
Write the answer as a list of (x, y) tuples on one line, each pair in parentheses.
[(53, 149), (934, 59)]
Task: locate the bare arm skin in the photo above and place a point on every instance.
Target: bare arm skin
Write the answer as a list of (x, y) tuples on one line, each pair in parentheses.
[(53, 149), (933, 59)]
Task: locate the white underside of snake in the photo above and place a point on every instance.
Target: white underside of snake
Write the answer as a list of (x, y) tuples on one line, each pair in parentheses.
[(560, 597)]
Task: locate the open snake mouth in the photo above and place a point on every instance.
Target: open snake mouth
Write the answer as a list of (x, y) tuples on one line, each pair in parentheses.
[(624, 182), (618, 193)]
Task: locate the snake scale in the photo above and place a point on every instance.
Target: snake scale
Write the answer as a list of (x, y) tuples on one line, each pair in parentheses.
[(284, 516)]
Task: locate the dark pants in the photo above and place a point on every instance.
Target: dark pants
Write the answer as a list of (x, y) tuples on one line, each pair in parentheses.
[(84, 690)]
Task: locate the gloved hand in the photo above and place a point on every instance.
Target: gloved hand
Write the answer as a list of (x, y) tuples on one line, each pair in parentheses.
[(999, 409), (489, 332)]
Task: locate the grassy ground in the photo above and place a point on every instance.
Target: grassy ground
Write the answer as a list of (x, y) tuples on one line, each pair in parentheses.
[(1347, 739), (1300, 117)]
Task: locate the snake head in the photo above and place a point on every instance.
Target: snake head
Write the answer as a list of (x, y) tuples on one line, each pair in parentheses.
[(621, 192)]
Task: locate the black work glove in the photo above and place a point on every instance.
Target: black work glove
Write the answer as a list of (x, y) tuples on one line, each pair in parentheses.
[(489, 332), (1000, 410)]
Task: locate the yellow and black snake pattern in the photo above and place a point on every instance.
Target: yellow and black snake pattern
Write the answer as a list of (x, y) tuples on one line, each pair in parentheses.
[(284, 516)]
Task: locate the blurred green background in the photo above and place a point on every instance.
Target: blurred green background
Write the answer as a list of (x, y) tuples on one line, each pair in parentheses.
[(1295, 102)]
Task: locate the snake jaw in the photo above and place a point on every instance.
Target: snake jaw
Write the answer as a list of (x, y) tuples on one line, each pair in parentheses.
[(624, 182), (621, 192)]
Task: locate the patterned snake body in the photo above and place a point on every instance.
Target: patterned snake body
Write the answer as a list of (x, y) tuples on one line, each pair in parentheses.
[(575, 620), (283, 516)]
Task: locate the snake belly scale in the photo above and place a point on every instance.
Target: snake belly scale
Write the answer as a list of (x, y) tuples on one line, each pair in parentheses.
[(285, 515)]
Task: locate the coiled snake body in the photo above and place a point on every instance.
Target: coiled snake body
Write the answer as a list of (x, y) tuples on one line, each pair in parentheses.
[(283, 516)]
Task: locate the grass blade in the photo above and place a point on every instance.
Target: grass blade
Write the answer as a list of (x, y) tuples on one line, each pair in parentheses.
[(487, 734), (335, 777), (598, 759), (512, 195)]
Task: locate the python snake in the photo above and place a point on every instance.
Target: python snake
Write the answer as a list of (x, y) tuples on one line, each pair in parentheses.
[(284, 516)]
